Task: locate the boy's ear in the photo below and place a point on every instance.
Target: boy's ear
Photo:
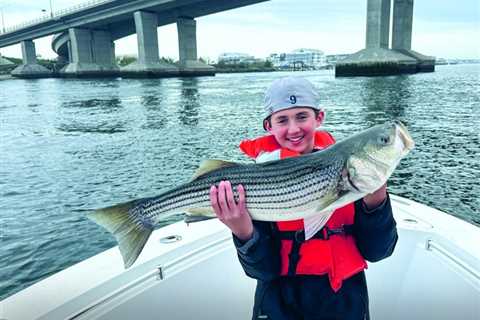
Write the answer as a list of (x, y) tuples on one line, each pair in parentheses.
[(266, 125), (320, 117)]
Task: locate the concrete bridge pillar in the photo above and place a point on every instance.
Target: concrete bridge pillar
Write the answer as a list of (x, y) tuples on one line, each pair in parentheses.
[(91, 53), (81, 46), (29, 68), (402, 24), (402, 35), (69, 48), (148, 62), (147, 37), (103, 49), (29, 55), (187, 46), (378, 23)]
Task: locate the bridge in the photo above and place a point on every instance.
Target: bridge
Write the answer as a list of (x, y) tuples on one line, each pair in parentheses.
[(84, 38)]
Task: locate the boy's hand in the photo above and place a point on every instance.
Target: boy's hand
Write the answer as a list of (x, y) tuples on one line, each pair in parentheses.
[(373, 200), (233, 215)]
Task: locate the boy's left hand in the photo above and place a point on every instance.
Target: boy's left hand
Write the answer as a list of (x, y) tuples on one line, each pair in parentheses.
[(373, 200)]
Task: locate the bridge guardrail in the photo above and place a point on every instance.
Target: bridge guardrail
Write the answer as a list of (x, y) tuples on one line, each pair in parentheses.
[(54, 15)]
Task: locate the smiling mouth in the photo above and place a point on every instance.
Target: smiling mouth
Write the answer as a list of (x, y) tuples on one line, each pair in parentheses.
[(295, 140)]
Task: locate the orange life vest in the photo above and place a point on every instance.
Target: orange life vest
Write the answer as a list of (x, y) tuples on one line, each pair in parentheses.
[(336, 255)]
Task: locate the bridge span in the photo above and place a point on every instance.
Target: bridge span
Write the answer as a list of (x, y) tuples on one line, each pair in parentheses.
[(84, 38)]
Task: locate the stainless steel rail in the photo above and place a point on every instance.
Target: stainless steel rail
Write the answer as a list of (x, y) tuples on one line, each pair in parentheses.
[(431, 245)]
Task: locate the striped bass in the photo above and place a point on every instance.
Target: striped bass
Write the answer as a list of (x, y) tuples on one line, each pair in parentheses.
[(311, 185)]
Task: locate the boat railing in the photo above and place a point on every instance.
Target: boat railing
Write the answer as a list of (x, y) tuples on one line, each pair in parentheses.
[(433, 246)]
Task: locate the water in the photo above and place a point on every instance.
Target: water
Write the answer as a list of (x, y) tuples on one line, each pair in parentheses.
[(70, 146)]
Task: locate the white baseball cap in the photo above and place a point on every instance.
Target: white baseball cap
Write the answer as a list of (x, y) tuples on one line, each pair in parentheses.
[(290, 92)]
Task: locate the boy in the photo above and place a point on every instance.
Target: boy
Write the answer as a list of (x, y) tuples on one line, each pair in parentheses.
[(323, 277)]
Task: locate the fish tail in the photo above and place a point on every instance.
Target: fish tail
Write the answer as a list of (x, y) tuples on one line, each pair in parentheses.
[(131, 234)]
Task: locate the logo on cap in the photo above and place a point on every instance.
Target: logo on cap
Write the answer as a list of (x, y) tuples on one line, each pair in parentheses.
[(293, 99)]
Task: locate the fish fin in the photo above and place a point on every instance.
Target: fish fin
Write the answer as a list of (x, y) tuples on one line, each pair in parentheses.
[(208, 212), (198, 214), (210, 165), (130, 235), (333, 203), (268, 156), (328, 203), (193, 219), (314, 223)]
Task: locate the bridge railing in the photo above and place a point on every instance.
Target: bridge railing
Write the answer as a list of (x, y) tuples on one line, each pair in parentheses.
[(54, 15)]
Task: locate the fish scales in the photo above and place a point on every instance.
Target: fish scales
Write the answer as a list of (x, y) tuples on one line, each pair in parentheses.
[(272, 187), (188, 193), (297, 189), (293, 194), (256, 187)]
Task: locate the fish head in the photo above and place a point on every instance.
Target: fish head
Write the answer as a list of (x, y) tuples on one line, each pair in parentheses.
[(375, 155)]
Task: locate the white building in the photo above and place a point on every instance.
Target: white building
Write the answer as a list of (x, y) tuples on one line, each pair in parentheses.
[(334, 58), (235, 58), (305, 58)]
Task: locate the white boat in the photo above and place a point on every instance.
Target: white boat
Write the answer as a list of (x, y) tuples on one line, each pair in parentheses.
[(192, 272)]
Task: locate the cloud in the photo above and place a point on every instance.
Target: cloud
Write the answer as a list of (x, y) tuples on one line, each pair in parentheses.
[(459, 43)]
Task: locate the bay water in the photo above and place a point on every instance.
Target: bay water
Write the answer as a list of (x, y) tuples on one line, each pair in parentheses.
[(69, 146)]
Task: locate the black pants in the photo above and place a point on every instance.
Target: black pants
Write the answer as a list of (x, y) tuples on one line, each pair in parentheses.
[(311, 298)]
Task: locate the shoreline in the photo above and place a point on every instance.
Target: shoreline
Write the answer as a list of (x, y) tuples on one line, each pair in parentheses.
[(6, 77)]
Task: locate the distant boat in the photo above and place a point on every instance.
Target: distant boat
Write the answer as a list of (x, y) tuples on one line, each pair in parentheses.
[(440, 61), (192, 272)]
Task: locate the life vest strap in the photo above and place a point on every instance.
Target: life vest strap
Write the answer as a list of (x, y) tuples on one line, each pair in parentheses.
[(323, 234), (293, 258)]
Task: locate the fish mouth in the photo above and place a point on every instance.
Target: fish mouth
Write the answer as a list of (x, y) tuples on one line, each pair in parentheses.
[(351, 182), (406, 139), (348, 181)]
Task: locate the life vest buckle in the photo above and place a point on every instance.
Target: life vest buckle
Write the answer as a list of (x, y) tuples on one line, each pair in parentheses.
[(299, 236), (323, 234), (327, 232)]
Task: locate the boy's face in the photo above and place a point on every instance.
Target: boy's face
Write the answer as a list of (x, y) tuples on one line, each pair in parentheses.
[(295, 128)]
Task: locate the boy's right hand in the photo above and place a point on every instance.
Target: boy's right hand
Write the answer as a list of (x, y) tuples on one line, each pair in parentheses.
[(234, 215)]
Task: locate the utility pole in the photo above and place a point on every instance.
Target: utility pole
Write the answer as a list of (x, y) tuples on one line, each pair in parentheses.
[(51, 9)]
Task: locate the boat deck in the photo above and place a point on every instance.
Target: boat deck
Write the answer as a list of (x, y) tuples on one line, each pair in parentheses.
[(192, 272)]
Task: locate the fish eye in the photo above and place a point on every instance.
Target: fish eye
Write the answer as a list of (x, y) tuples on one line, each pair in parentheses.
[(384, 139)]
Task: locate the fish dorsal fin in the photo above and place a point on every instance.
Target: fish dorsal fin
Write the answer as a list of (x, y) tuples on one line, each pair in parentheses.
[(211, 165)]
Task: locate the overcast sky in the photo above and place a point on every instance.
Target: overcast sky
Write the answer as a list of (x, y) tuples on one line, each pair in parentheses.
[(442, 28)]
